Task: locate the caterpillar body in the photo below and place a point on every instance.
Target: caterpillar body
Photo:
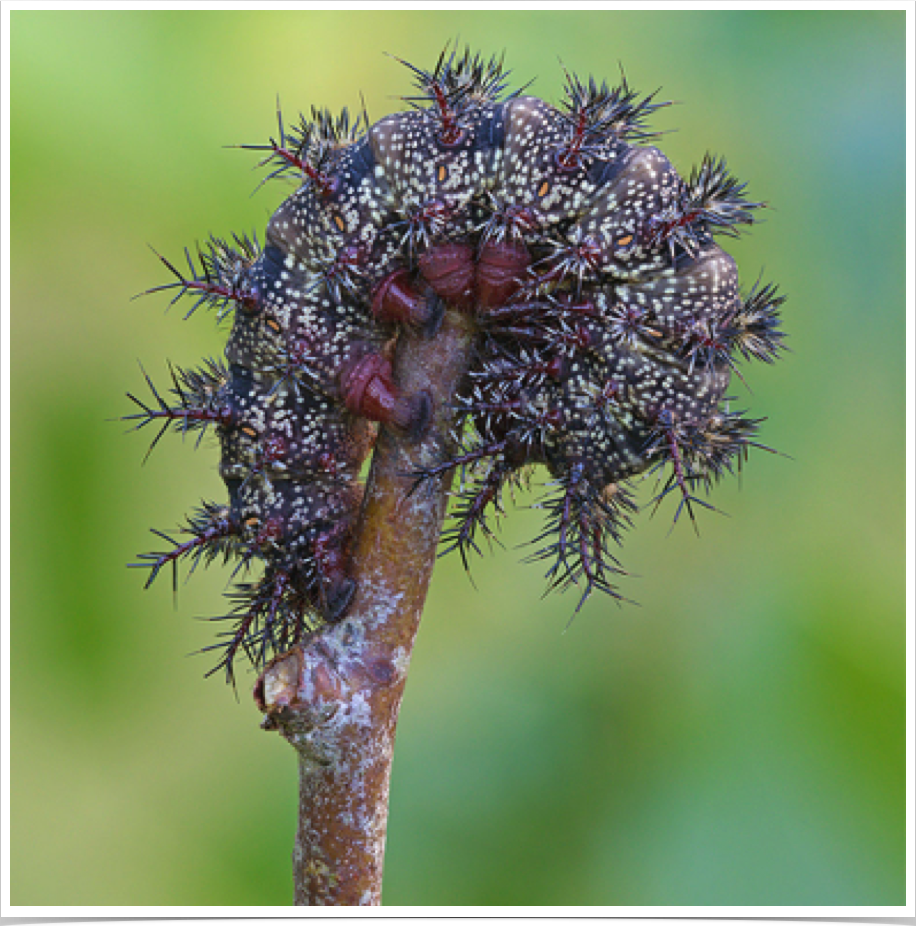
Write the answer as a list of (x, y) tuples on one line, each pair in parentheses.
[(608, 324)]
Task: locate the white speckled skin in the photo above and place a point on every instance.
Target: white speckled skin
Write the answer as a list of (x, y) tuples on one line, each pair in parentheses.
[(611, 356)]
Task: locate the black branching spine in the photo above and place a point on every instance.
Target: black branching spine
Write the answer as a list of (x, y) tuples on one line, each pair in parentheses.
[(609, 322)]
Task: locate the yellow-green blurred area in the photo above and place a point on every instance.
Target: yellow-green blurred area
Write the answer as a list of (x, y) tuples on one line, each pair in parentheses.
[(735, 739)]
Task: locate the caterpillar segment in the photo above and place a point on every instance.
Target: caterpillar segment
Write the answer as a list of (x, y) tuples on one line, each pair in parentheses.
[(608, 321)]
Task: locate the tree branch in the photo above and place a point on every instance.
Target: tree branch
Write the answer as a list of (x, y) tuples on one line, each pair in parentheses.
[(336, 696)]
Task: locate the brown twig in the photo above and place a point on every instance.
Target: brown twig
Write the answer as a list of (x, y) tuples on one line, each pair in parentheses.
[(336, 697)]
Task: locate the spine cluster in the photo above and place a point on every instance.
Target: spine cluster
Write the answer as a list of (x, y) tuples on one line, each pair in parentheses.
[(609, 322)]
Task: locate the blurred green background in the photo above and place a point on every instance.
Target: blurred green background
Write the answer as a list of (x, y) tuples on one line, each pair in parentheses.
[(738, 738)]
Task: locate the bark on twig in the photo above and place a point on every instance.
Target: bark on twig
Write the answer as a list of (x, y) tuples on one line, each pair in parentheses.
[(336, 697)]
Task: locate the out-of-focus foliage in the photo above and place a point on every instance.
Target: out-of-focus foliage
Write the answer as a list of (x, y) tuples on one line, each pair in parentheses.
[(736, 739)]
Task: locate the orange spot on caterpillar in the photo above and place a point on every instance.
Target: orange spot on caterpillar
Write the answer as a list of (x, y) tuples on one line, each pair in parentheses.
[(542, 190)]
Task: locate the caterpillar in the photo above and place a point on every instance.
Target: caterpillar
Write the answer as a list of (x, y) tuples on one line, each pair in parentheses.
[(608, 324)]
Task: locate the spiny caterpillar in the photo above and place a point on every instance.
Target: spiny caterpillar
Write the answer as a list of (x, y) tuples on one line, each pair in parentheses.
[(608, 324)]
